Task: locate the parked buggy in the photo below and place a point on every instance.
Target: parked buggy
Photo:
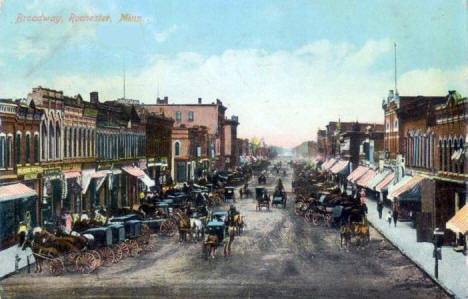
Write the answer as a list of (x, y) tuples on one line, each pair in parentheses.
[(229, 194), (262, 198), (279, 198)]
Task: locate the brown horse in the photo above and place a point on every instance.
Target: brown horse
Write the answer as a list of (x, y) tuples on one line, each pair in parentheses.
[(228, 241), (184, 228), (238, 223), (210, 245)]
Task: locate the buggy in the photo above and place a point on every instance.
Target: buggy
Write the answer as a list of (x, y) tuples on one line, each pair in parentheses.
[(262, 198), (229, 193)]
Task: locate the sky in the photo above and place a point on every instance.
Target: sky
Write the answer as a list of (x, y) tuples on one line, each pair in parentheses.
[(286, 68)]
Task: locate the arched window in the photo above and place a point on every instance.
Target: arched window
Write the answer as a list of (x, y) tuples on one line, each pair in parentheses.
[(455, 149), (75, 142), (462, 158), (2, 151), (36, 148), (65, 143), (450, 155), (9, 152), (18, 148), (51, 141), (58, 141), (445, 156), (441, 160), (177, 148), (27, 148), (44, 140)]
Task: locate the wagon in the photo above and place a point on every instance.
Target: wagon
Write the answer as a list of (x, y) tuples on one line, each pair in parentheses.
[(279, 200), (218, 228), (260, 192), (103, 240), (229, 193)]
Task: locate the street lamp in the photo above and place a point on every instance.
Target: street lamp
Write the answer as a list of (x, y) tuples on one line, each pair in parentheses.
[(438, 239)]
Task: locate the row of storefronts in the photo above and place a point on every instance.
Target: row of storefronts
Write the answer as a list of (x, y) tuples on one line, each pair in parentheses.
[(421, 170), (61, 154)]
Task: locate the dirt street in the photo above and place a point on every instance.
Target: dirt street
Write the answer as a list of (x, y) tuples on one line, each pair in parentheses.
[(278, 256)]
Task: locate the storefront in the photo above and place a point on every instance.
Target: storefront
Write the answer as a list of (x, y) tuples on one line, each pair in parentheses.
[(157, 170), (17, 205), (54, 192), (30, 176)]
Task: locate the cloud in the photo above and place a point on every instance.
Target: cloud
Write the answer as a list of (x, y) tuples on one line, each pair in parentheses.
[(283, 96), (162, 36)]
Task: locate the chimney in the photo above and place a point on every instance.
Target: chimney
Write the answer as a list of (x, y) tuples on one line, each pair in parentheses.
[(166, 100), (199, 101), (94, 97)]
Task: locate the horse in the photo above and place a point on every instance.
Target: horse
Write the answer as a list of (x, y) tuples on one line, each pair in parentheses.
[(228, 241), (238, 223), (185, 228), (210, 245), (196, 228)]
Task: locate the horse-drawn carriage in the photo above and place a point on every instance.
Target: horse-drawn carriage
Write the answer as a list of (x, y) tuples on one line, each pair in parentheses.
[(262, 179), (263, 200), (216, 231), (279, 198), (229, 194)]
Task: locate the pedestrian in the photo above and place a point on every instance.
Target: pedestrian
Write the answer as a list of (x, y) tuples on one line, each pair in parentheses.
[(362, 196), (380, 208), (389, 218), (241, 193), (395, 216)]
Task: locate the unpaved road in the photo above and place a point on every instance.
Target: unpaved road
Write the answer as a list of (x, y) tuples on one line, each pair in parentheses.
[(278, 256)]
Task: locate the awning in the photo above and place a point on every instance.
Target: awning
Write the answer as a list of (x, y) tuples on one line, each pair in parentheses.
[(379, 177), (99, 174), (116, 171), (383, 185), (72, 174), (135, 171), (86, 179), (457, 154), (392, 188), (366, 178), (459, 223), (357, 173), (342, 167), (328, 164), (15, 191), (411, 189), (147, 181)]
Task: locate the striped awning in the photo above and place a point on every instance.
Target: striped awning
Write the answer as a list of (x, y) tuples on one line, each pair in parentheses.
[(382, 186), (403, 185), (135, 171), (329, 164), (99, 174), (406, 187), (339, 167), (379, 177), (366, 178), (72, 174), (357, 173), (459, 222), (15, 191)]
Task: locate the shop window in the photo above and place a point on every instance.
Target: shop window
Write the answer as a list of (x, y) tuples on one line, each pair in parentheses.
[(36, 148), (27, 148), (18, 148)]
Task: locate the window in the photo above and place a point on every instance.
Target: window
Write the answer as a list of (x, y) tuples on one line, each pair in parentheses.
[(36, 148), (441, 161), (177, 148), (395, 124), (388, 125), (450, 155), (44, 141), (51, 140), (455, 149), (65, 143), (27, 148), (190, 116), (9, 152), (2, 151), (178, 116), (445, 156), (58, 135), (462, 158), (18, 148)]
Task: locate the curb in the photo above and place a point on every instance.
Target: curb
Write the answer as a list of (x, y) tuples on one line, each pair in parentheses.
[(436, 281)]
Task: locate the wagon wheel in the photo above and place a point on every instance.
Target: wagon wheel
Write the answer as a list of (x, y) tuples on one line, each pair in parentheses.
[(168, 228), (70, 261), (56, 266), (316, 220), (107, 255), (85, 263), (135, 249), (308, 216), (118, 254), (97, 258), (125, 249)]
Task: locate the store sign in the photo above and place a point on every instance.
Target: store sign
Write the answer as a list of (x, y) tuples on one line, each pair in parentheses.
[(29, 170), (71, 167), (105, 166)]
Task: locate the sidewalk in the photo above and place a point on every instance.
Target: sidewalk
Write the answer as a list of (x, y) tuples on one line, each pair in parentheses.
[(7, 260), (453, 268)]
